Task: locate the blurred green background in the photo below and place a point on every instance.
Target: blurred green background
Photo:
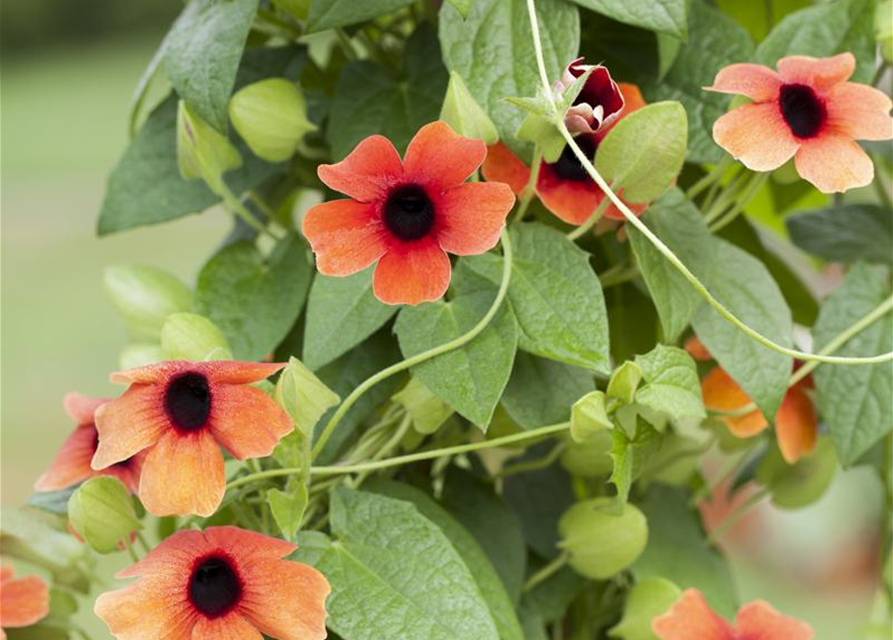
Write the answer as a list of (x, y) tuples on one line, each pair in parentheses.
[(68, 72)]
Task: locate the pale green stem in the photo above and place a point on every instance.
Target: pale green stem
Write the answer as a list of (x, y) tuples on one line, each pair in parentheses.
[(530, 188), (389, 446), (712, 176), (590, 221), (533, 465), (735, 517), (744, 199), (546, 572)]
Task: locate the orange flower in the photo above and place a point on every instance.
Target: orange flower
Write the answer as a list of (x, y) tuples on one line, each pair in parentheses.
[(179, 412), (71, 465), (564, 187), (796, 423), (223, 583), (599, 103), (691, 618), (23, 601), (806, 111), (407, 214)]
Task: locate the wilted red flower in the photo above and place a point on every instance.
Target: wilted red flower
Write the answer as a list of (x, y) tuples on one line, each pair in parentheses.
[(407, 215), (806, 111), (691, 618), (564, 187), (598, 104), (23, 601), (72, 463), (223, 583), (180, 413)]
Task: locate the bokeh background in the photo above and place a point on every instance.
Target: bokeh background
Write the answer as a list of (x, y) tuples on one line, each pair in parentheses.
[(68, 72)]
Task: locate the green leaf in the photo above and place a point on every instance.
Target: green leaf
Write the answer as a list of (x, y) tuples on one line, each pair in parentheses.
[(556, 297), (370, 99), (856, 402), (189, 336), (462, 6), (254, 299), (203, 51), (341, 313), (671, 384), (470, 379), (428, 412), (846, 233), (331, 14), (624, 382), (394, 574), (288, 508), (494, 592), (492, 49), (630, 455), (759, 17), (643, 152), (541, 392), (464, 114), (743, 284), (680, 553), (664, 16), (825, 30), (52, 501), (102, 512), (145, 296), (715, 41), (802, 483)]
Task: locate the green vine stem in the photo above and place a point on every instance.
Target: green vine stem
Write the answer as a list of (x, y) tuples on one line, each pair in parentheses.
[(462, 340), (546, 572), (735, 517), (590, 221), (530, 188)]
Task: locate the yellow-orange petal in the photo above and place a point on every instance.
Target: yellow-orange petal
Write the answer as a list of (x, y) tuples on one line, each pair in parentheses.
[(412, 273), (759, 621), (367, 173), (501, 165), (834, 163), (755, 81), (183, 475), (722, 393), (81, 408), (347, 236), (232, 626), (796, 425), (470, 216), (573, 201), (440, 157), (691, 618), (154, 609), (72, 463), (819, 73), (859, 111), (23, 601), (129, 424), (247, 422), (757, 135)]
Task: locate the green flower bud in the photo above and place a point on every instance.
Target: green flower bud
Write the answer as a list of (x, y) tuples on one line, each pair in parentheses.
[(145, 297), (303, 396), (288, 508), (464, 114), (102, 513), (589, 416), (271, 116), (427, 410), (202, 152), (598, 541), (189, 336), (540, 130), (590, 458), (624, 382), (800, 484), (648, 599), (140, 354)]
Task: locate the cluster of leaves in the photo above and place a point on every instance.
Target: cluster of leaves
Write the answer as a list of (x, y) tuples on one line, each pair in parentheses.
[(262, 92)]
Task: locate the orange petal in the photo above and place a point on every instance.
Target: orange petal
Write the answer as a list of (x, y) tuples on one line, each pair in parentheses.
[(759, 621), (691, 618), (235, 372), (183, 475), (859, 111), (247, 422), (128, 472), (439, 156), (796, 425), (721, 393), (129, 424), (759, 83), (757, 135), (232, 626), (412, 273), (613, 213), (80, 408), (819, 73), (152, 373), (248, 545), (573, 201), (347, 236), (470, 216), (154, 609), (697, 350), (72, 463), (367, 172), (632, 97), (501, 165), (171, 558), (23, 601), (834, 163)]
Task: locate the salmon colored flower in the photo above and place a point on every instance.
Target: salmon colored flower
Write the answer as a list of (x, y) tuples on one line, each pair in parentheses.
[(691, 618), (598, 104), (806, 111), (23, 601), (407, 214), (564, 187), (223, 583), (796, 422), (180, 413), (71, 465)]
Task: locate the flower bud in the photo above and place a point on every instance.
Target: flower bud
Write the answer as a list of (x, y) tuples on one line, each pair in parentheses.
[(598, 541), (189, 336), (464, 114), (202, 152), (427, 410), (624, 382), (303, 396), (101, 512), (590, 458), (271, 116), (589, 416), (797, 485), (648, 599), (145, 297)]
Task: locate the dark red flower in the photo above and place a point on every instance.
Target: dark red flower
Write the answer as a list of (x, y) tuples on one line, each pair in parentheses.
[(598, 104)]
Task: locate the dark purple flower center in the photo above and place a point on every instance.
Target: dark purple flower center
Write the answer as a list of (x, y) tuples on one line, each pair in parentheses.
[(568, 167), (409, 213), (187, 401), (802, 109), (214, 587), (599, 90)]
